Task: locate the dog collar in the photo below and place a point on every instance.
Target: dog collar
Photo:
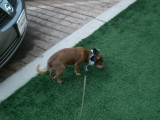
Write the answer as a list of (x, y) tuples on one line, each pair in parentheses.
[(92, 58), (91, 61)]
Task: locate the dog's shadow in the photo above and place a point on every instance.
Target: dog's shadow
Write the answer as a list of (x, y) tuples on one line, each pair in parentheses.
[(92, 73)]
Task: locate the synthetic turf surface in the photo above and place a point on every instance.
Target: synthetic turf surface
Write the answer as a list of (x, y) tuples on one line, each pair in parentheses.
[(127, 89)]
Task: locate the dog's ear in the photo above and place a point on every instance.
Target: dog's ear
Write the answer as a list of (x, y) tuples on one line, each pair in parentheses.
[(95, 51)]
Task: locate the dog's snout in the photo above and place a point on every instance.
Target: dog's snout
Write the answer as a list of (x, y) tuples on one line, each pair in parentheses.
[(100, 66)]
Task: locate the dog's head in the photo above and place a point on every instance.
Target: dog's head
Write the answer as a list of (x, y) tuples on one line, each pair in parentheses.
[(96, 59), (99, 61)]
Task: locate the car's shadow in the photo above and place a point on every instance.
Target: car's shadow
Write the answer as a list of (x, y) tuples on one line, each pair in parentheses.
[(15, 63)]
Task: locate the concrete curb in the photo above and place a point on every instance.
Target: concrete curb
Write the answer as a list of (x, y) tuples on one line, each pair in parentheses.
[(21, 77)]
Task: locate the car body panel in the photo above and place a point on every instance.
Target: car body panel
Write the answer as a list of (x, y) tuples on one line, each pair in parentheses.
[(6, 38), (10, 39)]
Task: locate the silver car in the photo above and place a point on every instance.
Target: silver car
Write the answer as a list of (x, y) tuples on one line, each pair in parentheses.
[(13, 25)]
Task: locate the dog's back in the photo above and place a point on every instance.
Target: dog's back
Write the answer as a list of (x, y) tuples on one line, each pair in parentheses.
[(68, 56)]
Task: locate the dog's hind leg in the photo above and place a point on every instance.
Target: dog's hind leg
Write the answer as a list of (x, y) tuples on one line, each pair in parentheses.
[(51, 73), (58, 73)]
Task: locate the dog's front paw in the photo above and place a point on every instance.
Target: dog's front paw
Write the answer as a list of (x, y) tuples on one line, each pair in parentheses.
[(78, 74)]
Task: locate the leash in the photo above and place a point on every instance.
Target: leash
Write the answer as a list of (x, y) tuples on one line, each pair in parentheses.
[(84, 87)]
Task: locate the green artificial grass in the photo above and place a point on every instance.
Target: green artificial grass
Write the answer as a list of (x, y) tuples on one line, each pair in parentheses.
[(127, 89)]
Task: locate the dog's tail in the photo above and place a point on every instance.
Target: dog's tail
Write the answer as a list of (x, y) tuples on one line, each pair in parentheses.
[(41, 71)]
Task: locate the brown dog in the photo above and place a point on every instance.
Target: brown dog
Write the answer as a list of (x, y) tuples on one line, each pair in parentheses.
[(71, 56)]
